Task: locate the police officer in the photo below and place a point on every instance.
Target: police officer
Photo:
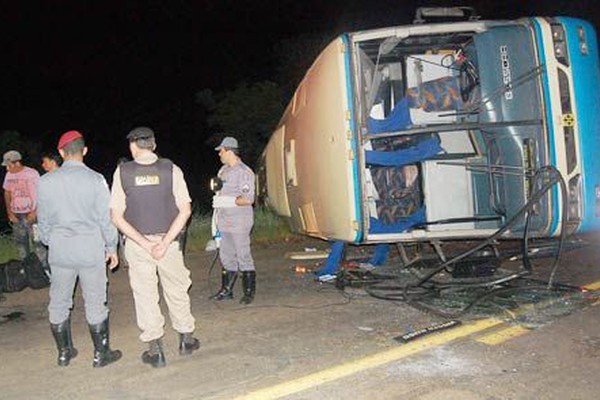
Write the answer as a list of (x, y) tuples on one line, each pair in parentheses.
[(150, 205), (235, 217), (74, 221)]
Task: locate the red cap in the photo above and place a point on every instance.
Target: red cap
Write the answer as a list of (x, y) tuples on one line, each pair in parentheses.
[(67, 138)]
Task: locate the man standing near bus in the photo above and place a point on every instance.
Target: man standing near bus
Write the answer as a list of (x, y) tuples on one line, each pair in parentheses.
[(51, 161), (20, 199), (235, 218), (150, 205), (74, 221)]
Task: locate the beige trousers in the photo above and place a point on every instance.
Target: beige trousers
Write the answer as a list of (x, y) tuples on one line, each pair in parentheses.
[(144, 275)]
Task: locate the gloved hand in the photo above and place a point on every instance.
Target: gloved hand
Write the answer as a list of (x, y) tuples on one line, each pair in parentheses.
[(223, 202)]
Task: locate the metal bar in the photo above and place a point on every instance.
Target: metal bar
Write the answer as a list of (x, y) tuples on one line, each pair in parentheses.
[(496, 169), (451, 127)]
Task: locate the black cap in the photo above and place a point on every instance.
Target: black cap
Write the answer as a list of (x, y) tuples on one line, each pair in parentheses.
[(139, 133)]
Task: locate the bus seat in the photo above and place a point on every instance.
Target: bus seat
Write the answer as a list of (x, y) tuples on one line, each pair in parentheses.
[(394, 184), (420, 70)]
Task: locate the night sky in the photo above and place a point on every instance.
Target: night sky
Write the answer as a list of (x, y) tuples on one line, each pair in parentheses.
[(104, 67)]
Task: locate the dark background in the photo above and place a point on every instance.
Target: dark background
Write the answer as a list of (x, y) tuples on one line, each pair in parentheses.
[(106, 67)]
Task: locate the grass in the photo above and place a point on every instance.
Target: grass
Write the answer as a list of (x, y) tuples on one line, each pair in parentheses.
[(268, 228), (8, 249)]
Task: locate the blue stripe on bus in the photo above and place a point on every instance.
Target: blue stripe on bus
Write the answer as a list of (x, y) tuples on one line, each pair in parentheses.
[(586, 81), (540, 45), (354, 142)]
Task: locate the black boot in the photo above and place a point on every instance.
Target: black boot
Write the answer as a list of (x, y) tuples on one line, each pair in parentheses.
[(187, 344), (154, 355), (249, 284), (103, 355), (228, 279), (64, 342)]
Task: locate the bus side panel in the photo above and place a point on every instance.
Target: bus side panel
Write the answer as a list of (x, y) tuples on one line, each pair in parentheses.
[(586, 77), (319, 153), (276, 182)]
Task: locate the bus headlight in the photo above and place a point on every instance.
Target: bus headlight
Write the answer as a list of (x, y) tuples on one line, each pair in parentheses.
[(559, 42), (574, 201), (583, 46), (597, 188)]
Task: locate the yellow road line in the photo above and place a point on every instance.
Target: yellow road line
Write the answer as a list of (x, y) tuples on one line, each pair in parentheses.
[(502, 335), (330, 374), (592, 286), (340, 371)]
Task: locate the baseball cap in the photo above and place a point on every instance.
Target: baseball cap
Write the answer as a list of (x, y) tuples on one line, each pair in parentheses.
[(141, 132), (229, 142), (10, 156), (67, 138)]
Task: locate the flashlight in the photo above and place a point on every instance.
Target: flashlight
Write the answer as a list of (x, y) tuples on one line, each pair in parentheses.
[(216, 184)]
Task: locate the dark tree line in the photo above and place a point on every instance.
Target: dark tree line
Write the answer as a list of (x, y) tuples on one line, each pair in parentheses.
[(188, 128), (250, 111)]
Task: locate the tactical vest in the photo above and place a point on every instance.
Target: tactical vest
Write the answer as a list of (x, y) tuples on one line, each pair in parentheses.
[(150, 203)]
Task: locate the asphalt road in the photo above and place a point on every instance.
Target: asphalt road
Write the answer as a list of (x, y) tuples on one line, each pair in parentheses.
[(307, 340)]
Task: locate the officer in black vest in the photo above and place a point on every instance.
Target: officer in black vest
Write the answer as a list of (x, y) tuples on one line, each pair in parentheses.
[(151, 205)]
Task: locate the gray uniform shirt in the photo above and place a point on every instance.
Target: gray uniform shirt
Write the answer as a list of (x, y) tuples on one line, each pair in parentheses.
[(238, 180), (74, 218)]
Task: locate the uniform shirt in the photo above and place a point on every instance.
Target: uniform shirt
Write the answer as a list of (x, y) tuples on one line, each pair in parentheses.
[(180, 190), (238, 180), (23, 188), (74, 218)]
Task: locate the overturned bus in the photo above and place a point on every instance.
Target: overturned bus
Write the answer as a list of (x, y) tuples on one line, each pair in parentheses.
[(442, 131)]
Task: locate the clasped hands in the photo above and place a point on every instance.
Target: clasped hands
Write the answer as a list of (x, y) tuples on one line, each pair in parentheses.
[(157, 249), (223, 201)]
